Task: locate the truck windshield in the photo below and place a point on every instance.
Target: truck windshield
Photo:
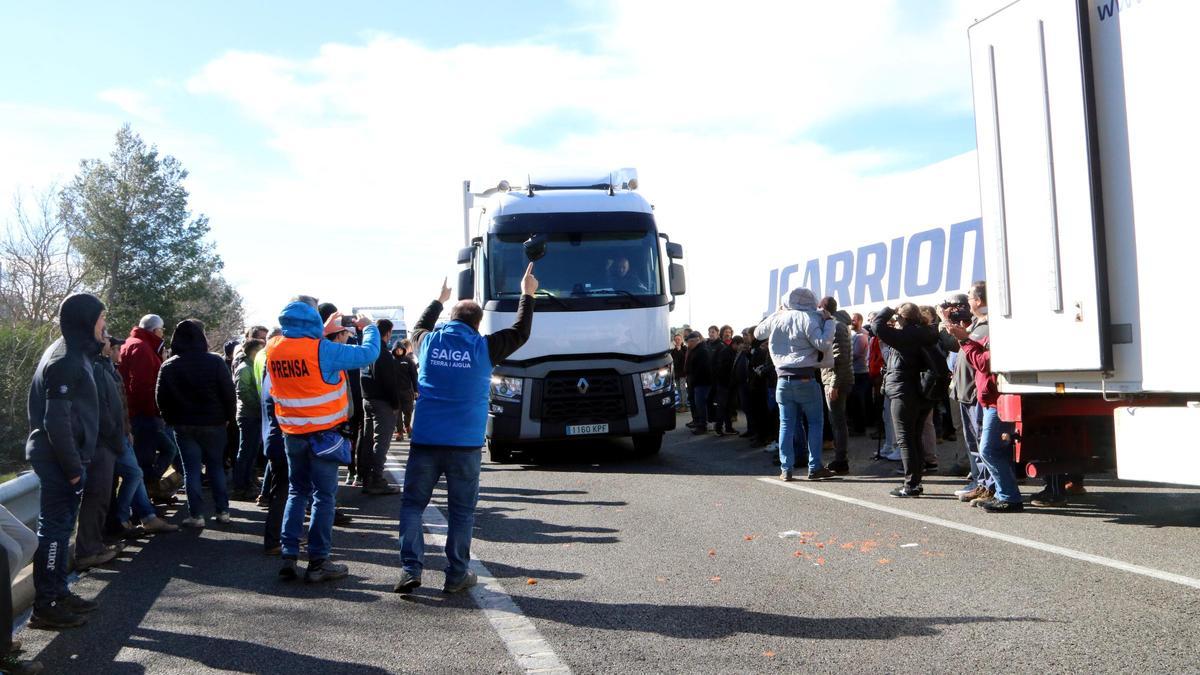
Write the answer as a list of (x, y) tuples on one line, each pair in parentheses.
[(578, 265)]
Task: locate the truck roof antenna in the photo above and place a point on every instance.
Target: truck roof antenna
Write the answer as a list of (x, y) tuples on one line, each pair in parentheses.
[(529, 183)]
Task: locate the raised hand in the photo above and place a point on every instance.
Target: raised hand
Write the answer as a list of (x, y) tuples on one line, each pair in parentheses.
[(529, 283), (445, 294)]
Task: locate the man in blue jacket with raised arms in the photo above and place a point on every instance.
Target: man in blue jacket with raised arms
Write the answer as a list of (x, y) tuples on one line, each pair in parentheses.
[(449, 425)]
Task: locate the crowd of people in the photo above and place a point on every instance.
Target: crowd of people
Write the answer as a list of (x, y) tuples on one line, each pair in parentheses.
[(810, 376), (117, 426)]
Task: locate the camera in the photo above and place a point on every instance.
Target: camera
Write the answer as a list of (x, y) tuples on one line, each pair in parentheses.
[(349, 321), (958, 313)]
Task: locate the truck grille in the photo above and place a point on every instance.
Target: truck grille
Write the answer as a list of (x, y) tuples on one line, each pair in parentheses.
[(602, 399)]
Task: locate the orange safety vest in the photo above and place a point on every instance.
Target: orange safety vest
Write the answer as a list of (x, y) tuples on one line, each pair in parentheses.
[(304, 402)]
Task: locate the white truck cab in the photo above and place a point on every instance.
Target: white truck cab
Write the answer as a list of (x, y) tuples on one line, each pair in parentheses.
[(596, 363)]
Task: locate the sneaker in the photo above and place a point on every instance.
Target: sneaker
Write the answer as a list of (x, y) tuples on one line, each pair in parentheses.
[(466, 582), (839, 466), (985, 496), (223, 517), (972, 494), (324, 571), (785, 476), (288, 571), (11, 665), (100, 558), (197, 522), (997, 506), (821, 474), (350, 478), (965, 491), (154, 524), (408, 583), (905, 491), (55, 616), (77, 605)]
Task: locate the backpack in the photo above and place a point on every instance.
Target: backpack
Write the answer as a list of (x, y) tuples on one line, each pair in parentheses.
[(935, 375)]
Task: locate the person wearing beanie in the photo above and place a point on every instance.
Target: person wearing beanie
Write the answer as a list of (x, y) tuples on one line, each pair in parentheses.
[(140, 360), (64, 422)]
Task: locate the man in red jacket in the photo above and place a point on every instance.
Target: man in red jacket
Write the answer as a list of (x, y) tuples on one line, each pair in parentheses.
[(141, 358)]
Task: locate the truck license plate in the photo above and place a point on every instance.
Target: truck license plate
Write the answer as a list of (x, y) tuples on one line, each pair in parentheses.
[(586, 429)]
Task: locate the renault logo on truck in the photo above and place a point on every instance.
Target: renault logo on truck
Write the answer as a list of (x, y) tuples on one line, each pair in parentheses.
[(582, 386)]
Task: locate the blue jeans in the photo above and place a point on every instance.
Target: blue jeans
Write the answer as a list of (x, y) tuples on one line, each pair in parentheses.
[(996, 454), (153, 445), (700, 393), (309, 476), (801, 402), (56, 522), (203, 446), (132, 500), (426, 464), (972, 416), (249, 448)]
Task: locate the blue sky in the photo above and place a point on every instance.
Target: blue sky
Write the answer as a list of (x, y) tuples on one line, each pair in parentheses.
[(303, 116)]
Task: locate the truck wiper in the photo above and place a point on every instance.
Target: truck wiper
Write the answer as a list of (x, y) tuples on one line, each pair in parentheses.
[(540, 293), (604, 291)]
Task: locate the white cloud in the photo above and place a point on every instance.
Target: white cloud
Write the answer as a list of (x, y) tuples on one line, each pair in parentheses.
[(132, 102)]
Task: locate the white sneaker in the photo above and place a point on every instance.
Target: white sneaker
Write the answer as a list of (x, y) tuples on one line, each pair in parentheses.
[(197, 522), (223, 517)]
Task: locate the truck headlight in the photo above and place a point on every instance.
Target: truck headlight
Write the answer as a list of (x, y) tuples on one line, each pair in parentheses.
[(654, 381), (506, 388)]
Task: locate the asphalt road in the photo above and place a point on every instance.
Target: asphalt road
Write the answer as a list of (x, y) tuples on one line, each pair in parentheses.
[(675, 563)]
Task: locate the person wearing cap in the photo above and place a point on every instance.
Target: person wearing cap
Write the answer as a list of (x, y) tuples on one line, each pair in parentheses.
[(132, 512), (698, 367), (64, 422), (798, 336), (980, 485), (141, 359), (358, 408), (313, 407)]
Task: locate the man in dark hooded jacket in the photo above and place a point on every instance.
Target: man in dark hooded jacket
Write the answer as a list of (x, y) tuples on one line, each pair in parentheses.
[(63, 423), (195, 395)]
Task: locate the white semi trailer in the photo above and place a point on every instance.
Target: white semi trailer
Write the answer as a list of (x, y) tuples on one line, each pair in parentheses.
[(1089, 162), (596, 363)]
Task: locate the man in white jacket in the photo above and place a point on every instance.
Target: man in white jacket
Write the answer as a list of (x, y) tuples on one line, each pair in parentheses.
[(799, 337)]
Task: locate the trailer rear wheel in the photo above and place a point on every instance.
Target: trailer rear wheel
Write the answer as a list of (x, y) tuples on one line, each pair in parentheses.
[(499, 453), (645, 445)]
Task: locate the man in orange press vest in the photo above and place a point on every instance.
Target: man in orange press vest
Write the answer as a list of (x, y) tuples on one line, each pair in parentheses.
[(312, 404)]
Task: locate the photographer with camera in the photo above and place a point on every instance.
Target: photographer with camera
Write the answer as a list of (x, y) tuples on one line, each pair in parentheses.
[(313, 407), (994, 452), (902, 386), (969, 312)]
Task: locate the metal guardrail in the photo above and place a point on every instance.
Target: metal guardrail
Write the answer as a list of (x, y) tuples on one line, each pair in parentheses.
[(22, 497)]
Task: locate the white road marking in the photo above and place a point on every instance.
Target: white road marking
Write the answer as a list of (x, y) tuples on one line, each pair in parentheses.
[(1020, 541), (521, 638)]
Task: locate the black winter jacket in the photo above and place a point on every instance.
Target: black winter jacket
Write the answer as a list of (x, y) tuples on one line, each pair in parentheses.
[(112, 407), (906, 361), (722, 363), (194, 386), (699, 366), (379, 379), (64, 414), (406, 376)]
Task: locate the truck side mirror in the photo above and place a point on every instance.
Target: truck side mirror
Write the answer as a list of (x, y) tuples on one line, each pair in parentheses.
[(466, 256), (535, 247), (466, 284), (674, 251), (678, 281)]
